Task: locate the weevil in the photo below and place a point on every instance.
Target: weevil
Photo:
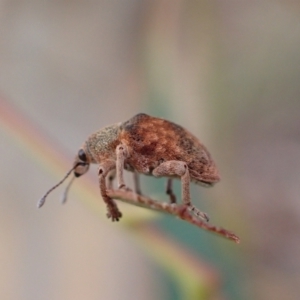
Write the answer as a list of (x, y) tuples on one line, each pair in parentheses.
[(145, 145)]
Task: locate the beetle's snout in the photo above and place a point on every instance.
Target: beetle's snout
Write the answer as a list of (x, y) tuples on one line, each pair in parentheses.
[(81, 169), (81, 163)]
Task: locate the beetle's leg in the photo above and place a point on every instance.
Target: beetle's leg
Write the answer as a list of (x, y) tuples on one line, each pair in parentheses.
[(112, 209), (136, 182), (121, 153), (169, 190), (110, 178), (180, 168)]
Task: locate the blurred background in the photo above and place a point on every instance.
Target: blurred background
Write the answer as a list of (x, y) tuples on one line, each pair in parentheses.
[(226, 70)]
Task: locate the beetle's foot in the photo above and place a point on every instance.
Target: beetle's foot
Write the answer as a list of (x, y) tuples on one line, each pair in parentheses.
[(125, 188), (113, 213), (187, 208), (198, 213)]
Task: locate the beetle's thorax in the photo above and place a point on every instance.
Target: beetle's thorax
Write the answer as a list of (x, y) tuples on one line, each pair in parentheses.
[(101, 145)]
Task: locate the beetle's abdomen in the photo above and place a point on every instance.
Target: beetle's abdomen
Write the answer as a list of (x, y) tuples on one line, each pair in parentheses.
[(153, 141)]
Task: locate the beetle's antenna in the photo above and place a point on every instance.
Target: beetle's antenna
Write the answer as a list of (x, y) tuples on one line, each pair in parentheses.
[(65, 194), (43, 199)]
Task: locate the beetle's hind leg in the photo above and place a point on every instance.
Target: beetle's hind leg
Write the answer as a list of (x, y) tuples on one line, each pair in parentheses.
[(180, 168), (169, 191)]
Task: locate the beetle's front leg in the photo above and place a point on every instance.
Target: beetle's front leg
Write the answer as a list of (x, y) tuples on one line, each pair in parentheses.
[(112, 209), (180, 168), (122, 154)]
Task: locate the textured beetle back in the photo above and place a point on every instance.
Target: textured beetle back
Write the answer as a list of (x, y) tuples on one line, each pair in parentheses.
[(154, 140)]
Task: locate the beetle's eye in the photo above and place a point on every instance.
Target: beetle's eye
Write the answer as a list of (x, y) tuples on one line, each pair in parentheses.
[(81, 155)]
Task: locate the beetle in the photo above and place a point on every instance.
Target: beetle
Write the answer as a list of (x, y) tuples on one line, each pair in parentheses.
[(145, 145)]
